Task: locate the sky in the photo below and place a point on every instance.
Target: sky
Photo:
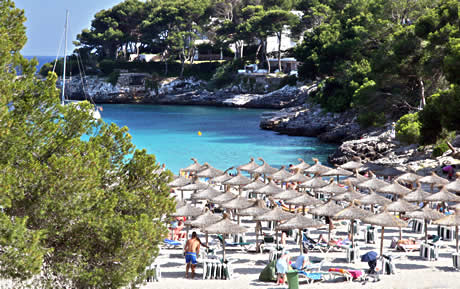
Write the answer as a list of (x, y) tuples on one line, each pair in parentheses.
[(46, 18)]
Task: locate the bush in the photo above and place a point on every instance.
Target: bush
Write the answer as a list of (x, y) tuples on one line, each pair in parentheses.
[(441, 144), (408, 128), (107, 66), (113, 77), (368, 119), (226, 74), (290, 80)]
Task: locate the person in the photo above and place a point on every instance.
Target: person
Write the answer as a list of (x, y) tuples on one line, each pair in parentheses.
[(449, 170), (282, 265), (192, 249), (332, 242), (302, 261)]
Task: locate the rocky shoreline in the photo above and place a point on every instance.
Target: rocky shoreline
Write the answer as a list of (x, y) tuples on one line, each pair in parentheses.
[(296, 116)]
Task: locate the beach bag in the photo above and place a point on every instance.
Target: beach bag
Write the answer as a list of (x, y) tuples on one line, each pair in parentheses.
[(268, 274)]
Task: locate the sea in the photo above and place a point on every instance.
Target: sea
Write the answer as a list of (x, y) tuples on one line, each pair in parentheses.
[(221, 136), (41, 60)]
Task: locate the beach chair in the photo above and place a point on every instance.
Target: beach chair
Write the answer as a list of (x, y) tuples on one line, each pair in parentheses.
[(244, 246), (348, 274), (171, 243), (311, 277), (312, 245)]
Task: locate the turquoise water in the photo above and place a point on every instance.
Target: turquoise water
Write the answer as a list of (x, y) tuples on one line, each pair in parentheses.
[(230, 136)]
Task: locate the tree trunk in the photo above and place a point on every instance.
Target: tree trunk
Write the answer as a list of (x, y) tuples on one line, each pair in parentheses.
[(422, 93), (266, 57), (279, 50), (182, 63)]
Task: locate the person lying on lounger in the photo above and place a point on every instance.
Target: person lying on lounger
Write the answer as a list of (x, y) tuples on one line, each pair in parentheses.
[(332, 242)]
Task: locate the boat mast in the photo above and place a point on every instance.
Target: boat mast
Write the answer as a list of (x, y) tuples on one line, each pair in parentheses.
[(65, 56)]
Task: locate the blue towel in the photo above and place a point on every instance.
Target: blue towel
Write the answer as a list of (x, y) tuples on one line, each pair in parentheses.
[(313, 276), (172, 242)]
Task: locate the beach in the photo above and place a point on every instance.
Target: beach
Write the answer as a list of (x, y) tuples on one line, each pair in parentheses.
[(411, 270)]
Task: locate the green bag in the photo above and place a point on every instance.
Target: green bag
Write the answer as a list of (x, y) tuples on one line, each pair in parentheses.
[(268, 274)]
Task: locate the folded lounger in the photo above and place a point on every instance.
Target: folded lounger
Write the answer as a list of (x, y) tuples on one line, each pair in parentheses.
[(349, 275)]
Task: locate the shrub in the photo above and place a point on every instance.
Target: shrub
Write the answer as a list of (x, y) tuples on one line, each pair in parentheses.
[(441, 144), (408, 128), (290, 80), (370, 118), (107, 66), (113, 77)]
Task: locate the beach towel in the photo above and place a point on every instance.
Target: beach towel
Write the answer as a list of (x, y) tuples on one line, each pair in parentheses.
[(268, 273), (354, 273)]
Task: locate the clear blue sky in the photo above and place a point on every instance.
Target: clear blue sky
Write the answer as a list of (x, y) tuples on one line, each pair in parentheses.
[(45, 22)]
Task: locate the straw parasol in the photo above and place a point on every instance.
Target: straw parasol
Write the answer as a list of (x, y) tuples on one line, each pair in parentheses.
[(257, 184), (222, 198), (275, 215), (206, 194), (281, 175), (384, 219), (443, 196), (179, 203), (264, 168), (286, 195), (304, 200), (349, 196), (197, 185), (239, 180), (455, 185), (225, 226), (332, 188), (401, 206), (249, 167), (298, 177), (269, 189), (195, 167), (204, 220), (179, 182), (222, 178), (337, 172), (238, 203), (317, 168), (372, 184), (352, 213), (300, 222), (417, 195), (426, 214), (433, 180), (356, 179), (302, 166), (314, 183), (329, 210), (209, 172), (395, 189), (259, 208), (408, 178), (187, 211), (352, 165), (374, 199), (451, 220), (389, 172)]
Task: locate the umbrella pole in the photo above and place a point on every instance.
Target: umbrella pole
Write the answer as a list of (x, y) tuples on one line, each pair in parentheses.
[(276, 233), (456, 235), (400, 228), (206, 239), (352, 233), (300, 241), (381, 242), (223, 246), (303, 210), (329, 233), (426, 232), (182, 194), (257, 238)]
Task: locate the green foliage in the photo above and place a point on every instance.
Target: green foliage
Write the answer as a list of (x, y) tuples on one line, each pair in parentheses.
[(369, 119), (290, 80), (107, 66), (225, 74), (81, 206), (441, 146), (408, 128), (112, 78)]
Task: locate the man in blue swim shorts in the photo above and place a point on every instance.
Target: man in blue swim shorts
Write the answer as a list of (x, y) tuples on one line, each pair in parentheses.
[(192, 248)]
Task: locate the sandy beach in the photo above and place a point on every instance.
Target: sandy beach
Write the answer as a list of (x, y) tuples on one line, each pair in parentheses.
[(411, 270)]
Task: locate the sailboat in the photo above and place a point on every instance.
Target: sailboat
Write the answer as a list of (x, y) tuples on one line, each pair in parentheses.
[(95, 112)]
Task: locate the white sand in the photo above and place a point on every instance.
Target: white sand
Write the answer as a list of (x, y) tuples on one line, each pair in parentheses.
[(412, 271)]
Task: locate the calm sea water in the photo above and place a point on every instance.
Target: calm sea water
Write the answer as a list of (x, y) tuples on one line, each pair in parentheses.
[(41, 60), (229, 136)]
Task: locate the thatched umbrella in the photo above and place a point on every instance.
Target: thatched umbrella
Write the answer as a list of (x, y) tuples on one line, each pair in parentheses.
[(286, 195), (451, 220), (195, 167), (225, 226), (314, 183), (204, 220), (275, 215), (454, 186), (317, 168), (239, 180), (179, 203), (349, 196), (443, 196), (332, 188), (372, 184), (179, 182), (206, 194), (426, 214), (384, 219), (356, 179), (401, 206), (433, 180), (374, 199), (389, 172), (197, 185), (222, 178), (329, 209), (269, 189), (222, 198), (209, 172), (417, 195), (300, 222), (352, 213), (337, 172), (302, 166), (352, 165), (395, 189), (408, 178), (259, 208), (187, 211), (281, 174), (264, 169), (249, 167), (304, 200), (237, 204), (256, 184), (298, 177)]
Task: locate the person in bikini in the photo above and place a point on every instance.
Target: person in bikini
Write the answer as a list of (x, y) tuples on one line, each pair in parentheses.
[(192, 249)]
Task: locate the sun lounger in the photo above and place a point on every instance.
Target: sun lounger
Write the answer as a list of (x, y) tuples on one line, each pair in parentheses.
[(408, 247), (171, 243), (349, 275), (311, 277)]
